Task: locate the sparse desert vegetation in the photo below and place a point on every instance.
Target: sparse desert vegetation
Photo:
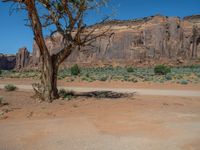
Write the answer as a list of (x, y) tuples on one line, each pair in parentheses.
[(162, 70), (159, 74), (10, 87), (1, 100), (90, 76)]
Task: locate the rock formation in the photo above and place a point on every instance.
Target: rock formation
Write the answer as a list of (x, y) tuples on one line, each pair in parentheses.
[(147, 41), (22, 58), (7, 62), (152, 39)]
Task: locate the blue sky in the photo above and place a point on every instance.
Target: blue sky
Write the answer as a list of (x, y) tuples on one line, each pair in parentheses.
[(13, 33)]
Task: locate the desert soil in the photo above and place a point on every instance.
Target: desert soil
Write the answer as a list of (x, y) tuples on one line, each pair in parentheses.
[(106, 84), (140, 122)]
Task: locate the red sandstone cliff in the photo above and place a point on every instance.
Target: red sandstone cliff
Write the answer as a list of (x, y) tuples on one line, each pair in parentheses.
[(145, 41), (155, 39)]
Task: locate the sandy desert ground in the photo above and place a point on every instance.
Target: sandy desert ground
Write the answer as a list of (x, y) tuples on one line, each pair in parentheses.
[(141, 122)]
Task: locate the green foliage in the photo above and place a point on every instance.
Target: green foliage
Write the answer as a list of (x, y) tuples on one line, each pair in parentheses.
[(104, 78), (0, 72), (75, 70), (62, 74), (189, 73), (184, 82), (161, 70), (62, 93), (65, 94), (168, 77), (126, 78), (10, 87), (130, 69), (134, 80), (24, 74), (87, 75), (198, 75)]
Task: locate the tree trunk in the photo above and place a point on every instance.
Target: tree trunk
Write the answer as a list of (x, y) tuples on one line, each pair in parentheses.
[(49, 79)]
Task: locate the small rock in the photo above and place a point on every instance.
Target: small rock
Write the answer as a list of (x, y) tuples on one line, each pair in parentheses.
[(180, 60)]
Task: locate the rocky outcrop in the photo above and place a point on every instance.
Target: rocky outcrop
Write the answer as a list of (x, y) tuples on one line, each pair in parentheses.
[(22, 58), (148, 41), (141, 41), (7, 62)]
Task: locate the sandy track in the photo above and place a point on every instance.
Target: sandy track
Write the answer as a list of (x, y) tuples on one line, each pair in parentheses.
[(80, 133), (139, 91), (139, 123)]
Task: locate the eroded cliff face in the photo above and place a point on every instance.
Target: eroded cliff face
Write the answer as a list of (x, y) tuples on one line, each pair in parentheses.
[(22, 59), (7, 62), (152, 39), (148, 41)]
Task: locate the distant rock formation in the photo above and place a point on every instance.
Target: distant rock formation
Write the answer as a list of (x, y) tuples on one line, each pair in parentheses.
[(7, 62), (19, 61), (141, 41), (22, 58)]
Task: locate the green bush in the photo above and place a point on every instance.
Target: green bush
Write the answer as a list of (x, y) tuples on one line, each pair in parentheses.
[(134, 80), (10, 87), (161, 70), (0, 72), (103, 78), (65, 94), (130, 69), (168, 77), (75, 70), (126, 78), (183, 82)]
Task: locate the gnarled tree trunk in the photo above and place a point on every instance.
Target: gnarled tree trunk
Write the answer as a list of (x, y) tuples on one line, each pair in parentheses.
[(49, 79), (47, 89)]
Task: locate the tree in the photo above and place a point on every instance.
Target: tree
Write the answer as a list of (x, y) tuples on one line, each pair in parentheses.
[(67, 18)]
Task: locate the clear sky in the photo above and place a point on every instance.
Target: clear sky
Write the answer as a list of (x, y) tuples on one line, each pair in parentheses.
[(13, 33)]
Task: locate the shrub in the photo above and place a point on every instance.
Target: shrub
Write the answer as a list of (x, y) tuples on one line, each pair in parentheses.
[(103, 78), (134, 80), (198, 75), (65, 94), (184, 82), (75, 70), (168, 77), (10, 87), (161, 70), (130, 69), (62, 93), (0, 72), (1, 100), (87, 75), (2, 103)]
